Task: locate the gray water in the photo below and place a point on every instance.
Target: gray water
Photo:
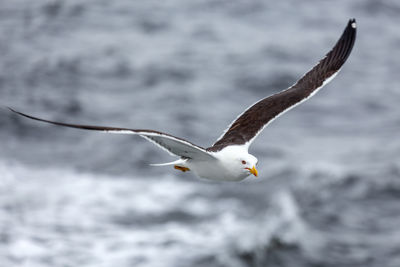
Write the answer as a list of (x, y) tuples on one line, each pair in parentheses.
[(329, 187)]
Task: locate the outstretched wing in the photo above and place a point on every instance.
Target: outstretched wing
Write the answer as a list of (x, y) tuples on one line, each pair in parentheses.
[(250, 123), (174, 145)]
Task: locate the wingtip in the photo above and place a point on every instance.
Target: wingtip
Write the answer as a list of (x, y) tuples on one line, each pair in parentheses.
[(15, 111), (9, 108), (352, 23), (12, 110)]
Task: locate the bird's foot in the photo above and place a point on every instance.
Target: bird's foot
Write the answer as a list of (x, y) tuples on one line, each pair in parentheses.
[(183, 169)]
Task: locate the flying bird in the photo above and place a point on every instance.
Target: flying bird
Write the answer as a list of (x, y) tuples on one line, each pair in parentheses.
[(228, 158)]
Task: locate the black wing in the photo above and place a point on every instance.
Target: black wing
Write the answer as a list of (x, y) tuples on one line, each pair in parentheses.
[(174, 145), (249, 124)]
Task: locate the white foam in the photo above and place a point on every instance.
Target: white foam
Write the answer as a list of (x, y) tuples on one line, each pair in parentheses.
[(110, 219)]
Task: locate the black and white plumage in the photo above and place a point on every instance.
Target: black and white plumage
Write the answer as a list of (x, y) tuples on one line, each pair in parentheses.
[(228, 159)]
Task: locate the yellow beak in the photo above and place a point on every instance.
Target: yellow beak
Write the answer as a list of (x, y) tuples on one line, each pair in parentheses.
[(253, 171)]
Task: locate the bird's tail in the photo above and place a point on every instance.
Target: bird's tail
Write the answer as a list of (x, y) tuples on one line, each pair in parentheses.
[(176, 162)]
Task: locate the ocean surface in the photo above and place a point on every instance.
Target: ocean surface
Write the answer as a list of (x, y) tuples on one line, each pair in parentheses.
[(328, 193)]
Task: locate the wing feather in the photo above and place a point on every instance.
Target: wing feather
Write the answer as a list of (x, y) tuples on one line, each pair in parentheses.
[(252, 121), (174, 145)]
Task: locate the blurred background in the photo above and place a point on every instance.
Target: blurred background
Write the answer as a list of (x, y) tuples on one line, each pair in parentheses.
[(329, 187)]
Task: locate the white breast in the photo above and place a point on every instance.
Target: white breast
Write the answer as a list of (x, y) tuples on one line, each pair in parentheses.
[(223, 167)]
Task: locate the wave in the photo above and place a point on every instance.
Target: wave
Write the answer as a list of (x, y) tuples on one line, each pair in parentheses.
[(53, 217)]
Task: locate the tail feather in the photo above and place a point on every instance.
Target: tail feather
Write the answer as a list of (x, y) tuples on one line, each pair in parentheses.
[(176, 162)]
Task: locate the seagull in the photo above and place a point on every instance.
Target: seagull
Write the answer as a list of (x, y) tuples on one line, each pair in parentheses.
[(228, 158)]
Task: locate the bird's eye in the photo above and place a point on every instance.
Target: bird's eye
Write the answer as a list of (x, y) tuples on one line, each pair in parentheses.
[(243, 162)]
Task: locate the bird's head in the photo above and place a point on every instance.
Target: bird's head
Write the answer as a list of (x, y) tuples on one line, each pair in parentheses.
[(248, 164), (238, 161)]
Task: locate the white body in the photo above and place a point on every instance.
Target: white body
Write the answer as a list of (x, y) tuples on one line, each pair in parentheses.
[(226, 166)]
